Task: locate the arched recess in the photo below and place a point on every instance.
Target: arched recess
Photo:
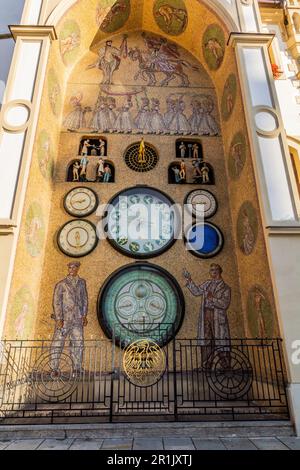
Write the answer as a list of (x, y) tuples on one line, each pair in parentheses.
[(229, 115), (224, 12)]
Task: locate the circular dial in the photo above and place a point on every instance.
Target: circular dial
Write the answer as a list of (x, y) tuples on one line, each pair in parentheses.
[(204, 240), (136, 163), (77, 238), (138, 301), (80, 202), (201, 203), (140, 222)]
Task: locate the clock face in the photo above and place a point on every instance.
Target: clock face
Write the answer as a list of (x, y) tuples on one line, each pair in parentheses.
[(141, 301), (204, 240), (201, 203), (140, 222), (80, 202), (77, 238)]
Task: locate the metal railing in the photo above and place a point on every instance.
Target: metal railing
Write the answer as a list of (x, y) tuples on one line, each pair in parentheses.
[(201, 380)]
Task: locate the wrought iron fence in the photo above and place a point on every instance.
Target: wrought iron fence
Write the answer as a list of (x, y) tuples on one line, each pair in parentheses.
[(192, 380)]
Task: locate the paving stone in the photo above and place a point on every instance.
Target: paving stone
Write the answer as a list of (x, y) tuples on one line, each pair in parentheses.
[(117, 444), (24, 444), (56, 444), (86, 444), (268, 443), (178, 444), (238, 444), (208, 444), (148, 444), (292, 443)]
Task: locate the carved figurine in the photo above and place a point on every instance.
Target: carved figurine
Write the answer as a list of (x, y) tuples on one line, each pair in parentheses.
[(76, 168)]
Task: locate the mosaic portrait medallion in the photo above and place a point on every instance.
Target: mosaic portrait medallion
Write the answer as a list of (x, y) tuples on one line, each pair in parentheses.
[(213, 45), (259, 313), (69, 41), (247, 228), (54, 92), (21, 315), (229, 97), (111, 16), (45, 156), (34, 229), (140, 301), (171, 16), (237, 155)]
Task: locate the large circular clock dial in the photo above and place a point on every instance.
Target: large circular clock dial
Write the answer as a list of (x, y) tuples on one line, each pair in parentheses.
[(204, 240), (141, 301), (80, 202), (77, 238), (201, 203), (141, 222)]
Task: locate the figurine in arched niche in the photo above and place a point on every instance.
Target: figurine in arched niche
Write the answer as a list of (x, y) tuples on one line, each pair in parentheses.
[(191, 171), (93, 146), (188, 148), (105, 171), (73, 171)]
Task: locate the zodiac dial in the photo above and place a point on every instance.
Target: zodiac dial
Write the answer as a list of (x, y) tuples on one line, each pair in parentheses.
[(138, 300), (141, 222)]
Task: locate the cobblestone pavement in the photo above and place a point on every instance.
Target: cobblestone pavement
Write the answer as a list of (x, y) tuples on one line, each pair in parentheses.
[(158, 443)]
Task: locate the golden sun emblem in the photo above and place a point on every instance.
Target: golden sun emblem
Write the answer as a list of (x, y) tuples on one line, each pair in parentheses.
[(144, 362)]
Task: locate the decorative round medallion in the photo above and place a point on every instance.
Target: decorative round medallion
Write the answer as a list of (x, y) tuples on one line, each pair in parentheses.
[(204, 240), (141, 160), (54, 376), (230, 373), (80, 202), (144, 363), (201, 203), (77, 238), (141, 222), (138, 301)]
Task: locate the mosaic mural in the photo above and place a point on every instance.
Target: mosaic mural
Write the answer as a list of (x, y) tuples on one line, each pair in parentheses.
[(69, 41), (112, 15), (45, 155), (229, 96), (237, 155), (247, 228), (171, 16), (34, 229), (143, 101), (213, 45), (21, 314), (259, 313), (54, 92)]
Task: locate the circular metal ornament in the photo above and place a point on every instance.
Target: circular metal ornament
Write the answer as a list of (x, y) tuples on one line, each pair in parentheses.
[(52, 383), (140, 300), (204, 240), (80, 202), (77, 238), (144, 362), (134, 163), (141, 222), (229, 380), (201, 203)]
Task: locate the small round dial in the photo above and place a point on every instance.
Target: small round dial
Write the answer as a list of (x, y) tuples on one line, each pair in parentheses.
[(77, 238), (80, 202), (204, 240), (201, 203), (141, 222)]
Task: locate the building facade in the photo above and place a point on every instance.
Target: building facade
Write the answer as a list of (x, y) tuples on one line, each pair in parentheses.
[(160, 102)]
